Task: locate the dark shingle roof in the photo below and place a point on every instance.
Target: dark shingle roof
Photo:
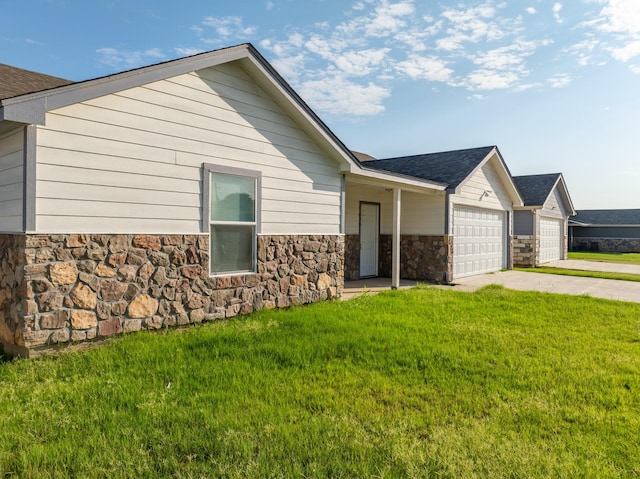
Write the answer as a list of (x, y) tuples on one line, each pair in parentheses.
[(16, 81), (535, 189), (607, 217), (449, 167)]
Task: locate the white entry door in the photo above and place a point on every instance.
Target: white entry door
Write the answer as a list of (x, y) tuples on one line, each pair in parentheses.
[(551, 239), (478, 241), (369, 233)]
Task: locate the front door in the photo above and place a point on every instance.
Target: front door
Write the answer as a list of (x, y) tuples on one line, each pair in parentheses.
[(369, 233)]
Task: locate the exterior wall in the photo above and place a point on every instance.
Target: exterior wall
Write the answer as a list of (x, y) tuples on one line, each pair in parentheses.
[(613, 232), (130, 162), (523, 222), (11, 181), (522, 249), (420, 214), (428, 258), (352, 257), (553, 207), (610, 245), (12, 258), (484, 179), (81, 287)]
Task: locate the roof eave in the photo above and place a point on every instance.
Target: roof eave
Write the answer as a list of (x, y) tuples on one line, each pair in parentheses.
[(396, 178)]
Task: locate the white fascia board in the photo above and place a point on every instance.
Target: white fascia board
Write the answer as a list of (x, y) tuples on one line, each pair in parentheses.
[(362, 174)]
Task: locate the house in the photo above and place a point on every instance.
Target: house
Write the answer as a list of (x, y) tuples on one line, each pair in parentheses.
[(462, 229), (540, 227), (191, 190), (605, 230)]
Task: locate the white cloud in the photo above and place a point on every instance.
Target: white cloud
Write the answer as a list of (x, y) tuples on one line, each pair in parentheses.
[(388, 18), (531, 11), (627, 52), (560, 80), (269, 5), (226, 28), (635, 69), (361, 62), (187, 52), (621, 16), (503, 58), (380, 40), (127, 59), (556, 12), (425, 68), (470, 25), (339, 96), (483, 79)]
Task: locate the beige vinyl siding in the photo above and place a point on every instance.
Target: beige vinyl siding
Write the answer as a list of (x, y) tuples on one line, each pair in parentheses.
[(484, 179), (11, 181), (553, 206), (420, 214), (131, 161)]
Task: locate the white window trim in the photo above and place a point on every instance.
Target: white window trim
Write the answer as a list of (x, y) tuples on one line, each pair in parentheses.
[(207, 169)]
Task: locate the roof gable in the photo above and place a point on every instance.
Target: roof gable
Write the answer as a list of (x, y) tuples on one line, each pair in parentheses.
[(31, 108), (17, 81), (536, 190), (449, 167)]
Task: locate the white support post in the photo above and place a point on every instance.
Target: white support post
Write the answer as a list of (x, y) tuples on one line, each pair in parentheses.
[(395, 250)]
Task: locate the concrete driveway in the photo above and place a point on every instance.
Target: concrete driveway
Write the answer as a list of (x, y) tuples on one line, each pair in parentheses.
[(553, 283)]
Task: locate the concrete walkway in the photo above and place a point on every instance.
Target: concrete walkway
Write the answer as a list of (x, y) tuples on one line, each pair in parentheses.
[(526, 281), (595, 266), (553, 283)]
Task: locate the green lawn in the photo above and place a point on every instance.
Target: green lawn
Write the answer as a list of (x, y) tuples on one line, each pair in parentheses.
[(412, 383), (625, 258)]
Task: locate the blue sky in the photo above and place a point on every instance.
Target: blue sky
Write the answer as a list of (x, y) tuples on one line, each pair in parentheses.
[(555, 84)]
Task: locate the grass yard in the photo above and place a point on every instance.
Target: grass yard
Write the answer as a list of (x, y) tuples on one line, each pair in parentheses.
[(624, 258), (411, 383)]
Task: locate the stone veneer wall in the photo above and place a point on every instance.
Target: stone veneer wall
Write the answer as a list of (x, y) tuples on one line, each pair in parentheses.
[(522, 250), (11, 281), (609, 245), (63, 288), (428, 258), (351, 257)]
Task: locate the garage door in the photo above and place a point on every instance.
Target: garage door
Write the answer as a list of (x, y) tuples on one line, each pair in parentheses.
[(550, 239), (479, 241)]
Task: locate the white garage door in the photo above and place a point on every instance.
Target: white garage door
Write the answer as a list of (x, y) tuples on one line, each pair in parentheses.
[(550, 239), (478, 242)]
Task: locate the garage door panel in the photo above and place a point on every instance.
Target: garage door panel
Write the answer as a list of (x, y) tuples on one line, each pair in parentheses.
[(551, 239), (479, 243)]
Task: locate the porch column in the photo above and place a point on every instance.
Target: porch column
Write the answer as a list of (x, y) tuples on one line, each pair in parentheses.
[(395, 249)]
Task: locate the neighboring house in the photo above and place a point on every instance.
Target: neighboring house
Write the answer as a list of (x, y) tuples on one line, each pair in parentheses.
[(190, 190), (540, 231), (463, 229), (605, 230)]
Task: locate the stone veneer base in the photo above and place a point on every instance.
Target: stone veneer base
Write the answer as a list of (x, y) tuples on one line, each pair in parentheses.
[(606, 245), (428, 258), (63, 288)]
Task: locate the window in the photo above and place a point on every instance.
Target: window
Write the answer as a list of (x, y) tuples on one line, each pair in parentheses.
[(232, 211)]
